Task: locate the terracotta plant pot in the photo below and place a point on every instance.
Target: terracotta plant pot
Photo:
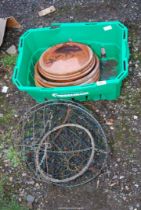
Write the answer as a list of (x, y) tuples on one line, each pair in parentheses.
[(67, 64)]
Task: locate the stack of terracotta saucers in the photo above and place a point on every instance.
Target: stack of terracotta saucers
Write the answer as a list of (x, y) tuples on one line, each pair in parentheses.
[(66, 64)]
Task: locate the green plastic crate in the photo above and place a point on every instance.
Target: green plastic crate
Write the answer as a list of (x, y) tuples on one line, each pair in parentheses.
[(113, 36)]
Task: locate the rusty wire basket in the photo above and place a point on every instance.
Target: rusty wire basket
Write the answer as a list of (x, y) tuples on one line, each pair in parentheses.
[(62, 143)]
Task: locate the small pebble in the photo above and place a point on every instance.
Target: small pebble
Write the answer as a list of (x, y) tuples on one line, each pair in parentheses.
[(1, 115), (30, 198), (121, 177), (24, 174), (136, 185), (118, 160), (10, 178), (111, 127), (134, 169), (126, 187), (124, 198), (31, 182), (109, 122), (22, 192), (71, 17), (137, 205), (4, 89), (115, 177), (37, 185), (20, 199), (135, 117), (12, 50), (6, 164)]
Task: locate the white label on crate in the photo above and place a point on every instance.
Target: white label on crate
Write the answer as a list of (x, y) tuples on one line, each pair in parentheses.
[(69, 94), (101, 83), (107, 28)]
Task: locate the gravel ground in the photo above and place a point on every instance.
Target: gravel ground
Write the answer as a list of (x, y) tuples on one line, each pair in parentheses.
[(119, 186)]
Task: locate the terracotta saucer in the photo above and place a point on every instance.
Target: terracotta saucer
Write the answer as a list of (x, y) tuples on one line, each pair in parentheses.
[(79, 74), (89, 78), (66, 59)]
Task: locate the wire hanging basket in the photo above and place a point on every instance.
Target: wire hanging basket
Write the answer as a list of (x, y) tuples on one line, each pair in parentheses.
[(62, 143)]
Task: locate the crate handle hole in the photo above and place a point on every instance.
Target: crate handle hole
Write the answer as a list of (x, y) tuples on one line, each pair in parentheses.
[(120, 75), (54, 26), (121, 25), (124, 65), (90, 24), (21, 43), (124, 35), (86, 98), (18, 83)]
